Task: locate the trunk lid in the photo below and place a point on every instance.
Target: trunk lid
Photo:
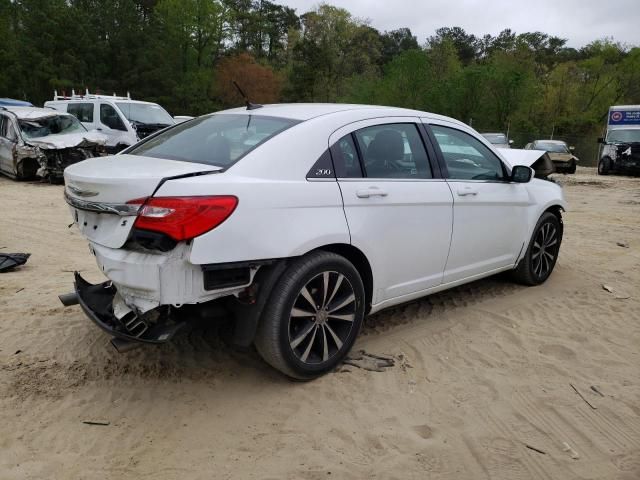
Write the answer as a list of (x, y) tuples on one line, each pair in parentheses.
[(98, 189)]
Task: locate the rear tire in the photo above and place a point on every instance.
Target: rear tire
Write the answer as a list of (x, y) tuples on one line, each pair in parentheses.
[(604, 166), (313, 316), (542, 252)]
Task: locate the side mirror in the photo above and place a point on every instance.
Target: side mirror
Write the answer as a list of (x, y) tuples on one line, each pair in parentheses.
[(521, 174), (572, 148), (600, 140), (510, 142)]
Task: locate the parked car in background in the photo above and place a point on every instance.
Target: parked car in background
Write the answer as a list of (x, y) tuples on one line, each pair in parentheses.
[(499, 140), (124, 121), (299, 220), (10, 102), (559, 152), (42, 142), (620, 147)]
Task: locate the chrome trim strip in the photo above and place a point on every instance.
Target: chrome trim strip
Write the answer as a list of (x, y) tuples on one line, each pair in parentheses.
[(121, 209), (400, 180)]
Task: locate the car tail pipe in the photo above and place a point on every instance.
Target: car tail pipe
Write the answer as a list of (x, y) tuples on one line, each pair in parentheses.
[(122, 346), (69, 299)]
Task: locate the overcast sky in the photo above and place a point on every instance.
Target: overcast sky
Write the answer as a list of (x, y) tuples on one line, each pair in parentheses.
[(579, 21)]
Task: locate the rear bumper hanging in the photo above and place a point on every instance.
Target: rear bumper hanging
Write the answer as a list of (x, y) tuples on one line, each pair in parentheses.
[(97, 303)]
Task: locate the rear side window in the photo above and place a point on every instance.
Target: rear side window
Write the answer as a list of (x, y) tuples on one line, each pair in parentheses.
[(218, 140), (345, 158), (82, 111)]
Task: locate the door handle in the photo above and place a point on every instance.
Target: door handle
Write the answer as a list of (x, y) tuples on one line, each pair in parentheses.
[(370, 192), (99, 129), (463, 192)]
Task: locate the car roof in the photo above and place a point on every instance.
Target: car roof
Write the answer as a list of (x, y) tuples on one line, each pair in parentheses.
[(623, 127), (307, 111), (624, 107), (32, 113), (15, 103), (99, 99), (551, 141)]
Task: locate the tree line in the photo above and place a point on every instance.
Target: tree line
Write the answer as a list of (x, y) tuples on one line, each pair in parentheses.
[(184, 54)]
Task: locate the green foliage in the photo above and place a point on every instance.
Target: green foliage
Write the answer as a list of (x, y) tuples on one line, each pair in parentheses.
[(183, 53)]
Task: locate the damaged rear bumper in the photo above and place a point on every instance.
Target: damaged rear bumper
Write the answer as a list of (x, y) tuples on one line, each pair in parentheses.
[(97, 302)]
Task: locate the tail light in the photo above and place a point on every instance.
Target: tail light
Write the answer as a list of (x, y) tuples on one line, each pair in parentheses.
[(183, 218)]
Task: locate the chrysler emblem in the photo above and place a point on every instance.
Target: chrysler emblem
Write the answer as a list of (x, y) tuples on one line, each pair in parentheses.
[(81, 193)]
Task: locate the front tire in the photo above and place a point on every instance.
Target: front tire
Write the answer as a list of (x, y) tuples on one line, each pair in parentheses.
[(542, 253), (604, 166), (313, 316)]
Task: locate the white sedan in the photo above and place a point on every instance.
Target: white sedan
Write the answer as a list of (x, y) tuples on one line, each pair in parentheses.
[(299, 220)]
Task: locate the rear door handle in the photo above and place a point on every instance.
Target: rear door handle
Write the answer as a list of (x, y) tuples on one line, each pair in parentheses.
[(370, 192), (467, 191)]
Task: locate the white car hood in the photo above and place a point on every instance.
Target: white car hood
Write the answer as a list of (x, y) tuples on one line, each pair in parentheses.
[(515, 156), (68, 140)]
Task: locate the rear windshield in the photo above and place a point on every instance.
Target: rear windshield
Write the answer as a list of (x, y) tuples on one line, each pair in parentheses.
[(218, 140)]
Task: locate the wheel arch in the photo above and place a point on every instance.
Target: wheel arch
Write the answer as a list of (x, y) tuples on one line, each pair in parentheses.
[(557, 210), (360, 262)]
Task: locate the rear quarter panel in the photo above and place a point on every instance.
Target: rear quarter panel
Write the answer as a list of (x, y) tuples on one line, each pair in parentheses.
[(273, 219), (280, 213)]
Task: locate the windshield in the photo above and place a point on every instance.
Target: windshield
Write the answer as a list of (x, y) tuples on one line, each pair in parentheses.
[(496, 138), (624, 136), (146, 113), (54, 125), (218, 140), (552, 147)]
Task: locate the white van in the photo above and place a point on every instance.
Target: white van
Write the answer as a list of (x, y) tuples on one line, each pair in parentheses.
[(122, 120), (620, 147)]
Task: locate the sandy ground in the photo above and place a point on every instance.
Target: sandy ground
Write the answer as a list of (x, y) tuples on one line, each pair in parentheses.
[(486, 370)]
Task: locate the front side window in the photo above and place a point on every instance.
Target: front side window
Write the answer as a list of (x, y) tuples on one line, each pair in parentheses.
[(393, 151), (218, 140), (110, 118), (6, 129), (82, 111), (466, 157), (10, 131), (51, 125)]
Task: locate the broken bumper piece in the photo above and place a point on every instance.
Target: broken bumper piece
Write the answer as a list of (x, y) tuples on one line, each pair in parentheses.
[(97, 302)]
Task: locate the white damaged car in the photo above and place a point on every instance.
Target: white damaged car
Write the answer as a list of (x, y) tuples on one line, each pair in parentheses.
[(43, 142), (299, 220)]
